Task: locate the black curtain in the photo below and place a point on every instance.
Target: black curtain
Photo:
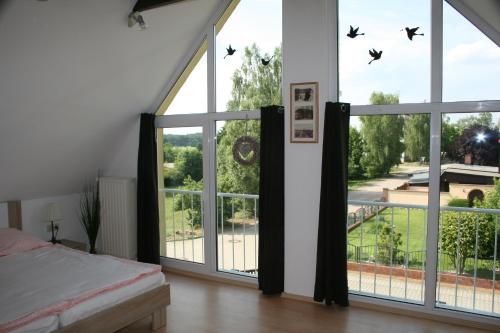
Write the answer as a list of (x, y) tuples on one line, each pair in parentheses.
[(272, 200), (148, 228), (331, 256)]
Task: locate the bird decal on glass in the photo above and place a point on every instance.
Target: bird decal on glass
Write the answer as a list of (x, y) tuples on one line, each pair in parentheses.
[(376, 55), (266, 62), (230, 51), (353, 33), (412, 32)]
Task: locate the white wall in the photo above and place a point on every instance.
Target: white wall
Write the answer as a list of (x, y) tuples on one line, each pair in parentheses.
[(34, 216), (306, 55)]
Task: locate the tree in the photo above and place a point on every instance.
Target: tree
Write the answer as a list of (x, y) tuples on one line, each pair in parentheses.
[(449, 133), (458, 237), (477, 141), (253, 86), (168, 153), (379, 98), (382, 135), (484, 119), (492, 198), (356, 150), (416, 135), (189, 161)]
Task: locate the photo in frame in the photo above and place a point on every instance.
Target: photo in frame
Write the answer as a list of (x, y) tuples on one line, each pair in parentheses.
[(304, 122)]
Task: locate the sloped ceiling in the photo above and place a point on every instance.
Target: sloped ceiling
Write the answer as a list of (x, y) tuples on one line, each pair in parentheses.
[(73, 80), (484, 14)]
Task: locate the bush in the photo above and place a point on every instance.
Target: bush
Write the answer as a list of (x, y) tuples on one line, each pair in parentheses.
[(457, 202), (389, 240), (458, 237), (190, 203)]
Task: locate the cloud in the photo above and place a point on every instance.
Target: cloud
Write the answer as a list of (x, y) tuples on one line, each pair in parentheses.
[(472, 52)]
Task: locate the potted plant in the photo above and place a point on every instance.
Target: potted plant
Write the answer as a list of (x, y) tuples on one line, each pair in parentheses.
[(90, 213)]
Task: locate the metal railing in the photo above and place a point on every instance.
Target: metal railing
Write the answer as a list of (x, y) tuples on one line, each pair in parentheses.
[(387, 252), (237, 229), (468, 262)]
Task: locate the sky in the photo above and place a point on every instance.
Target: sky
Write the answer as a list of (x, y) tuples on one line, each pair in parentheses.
[(471, 62)]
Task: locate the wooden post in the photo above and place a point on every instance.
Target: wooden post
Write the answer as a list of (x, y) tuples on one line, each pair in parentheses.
[(159, 318), (15, 218)]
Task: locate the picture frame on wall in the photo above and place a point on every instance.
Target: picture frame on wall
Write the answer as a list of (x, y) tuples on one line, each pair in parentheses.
[(304, 122)]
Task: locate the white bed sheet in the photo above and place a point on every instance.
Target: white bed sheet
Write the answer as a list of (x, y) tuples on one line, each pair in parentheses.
[(53, 279)]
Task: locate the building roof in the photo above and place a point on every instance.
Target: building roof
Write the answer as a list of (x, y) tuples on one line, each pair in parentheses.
[(422, 177)]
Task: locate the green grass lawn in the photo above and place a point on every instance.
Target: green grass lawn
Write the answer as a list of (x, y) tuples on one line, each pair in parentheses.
[(412, 232)]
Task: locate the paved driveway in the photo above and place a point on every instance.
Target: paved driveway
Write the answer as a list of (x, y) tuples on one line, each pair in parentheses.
[(373, 190)]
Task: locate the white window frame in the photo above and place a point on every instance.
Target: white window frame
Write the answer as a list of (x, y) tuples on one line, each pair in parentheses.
[(207, 121)]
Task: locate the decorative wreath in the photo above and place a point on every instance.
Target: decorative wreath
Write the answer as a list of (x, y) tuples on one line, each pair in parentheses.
[(246, 150)]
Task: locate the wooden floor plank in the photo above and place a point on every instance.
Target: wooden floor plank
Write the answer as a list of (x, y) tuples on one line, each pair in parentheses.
[(208, 306)]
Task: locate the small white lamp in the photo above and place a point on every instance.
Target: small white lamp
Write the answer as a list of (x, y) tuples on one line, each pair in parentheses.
[(53, 214)]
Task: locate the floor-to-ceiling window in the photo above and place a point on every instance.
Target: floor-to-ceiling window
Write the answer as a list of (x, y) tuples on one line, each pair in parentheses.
[(423, 154), (210, 128)]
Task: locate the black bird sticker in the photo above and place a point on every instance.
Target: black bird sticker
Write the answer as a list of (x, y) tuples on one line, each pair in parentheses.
[(230, 51), (376, 55), (412, 32), (266, 62), (353, 33)]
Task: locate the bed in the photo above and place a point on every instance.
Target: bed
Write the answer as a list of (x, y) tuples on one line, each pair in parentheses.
[(51, 288)]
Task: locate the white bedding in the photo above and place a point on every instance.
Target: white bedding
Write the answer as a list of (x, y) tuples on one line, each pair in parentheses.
[(109, 299), (38, 285)]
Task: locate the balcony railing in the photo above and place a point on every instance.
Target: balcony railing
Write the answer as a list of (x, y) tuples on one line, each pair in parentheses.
[(387, 254), (386, 247), (237, 229)]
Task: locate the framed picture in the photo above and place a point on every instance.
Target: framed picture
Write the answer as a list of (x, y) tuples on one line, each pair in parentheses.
[(304, 112)]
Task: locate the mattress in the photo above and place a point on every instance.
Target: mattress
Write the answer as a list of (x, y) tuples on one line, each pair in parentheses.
[(57, 284)]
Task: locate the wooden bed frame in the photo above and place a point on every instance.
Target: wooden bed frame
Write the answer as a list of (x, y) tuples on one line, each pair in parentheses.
[(152, 303)]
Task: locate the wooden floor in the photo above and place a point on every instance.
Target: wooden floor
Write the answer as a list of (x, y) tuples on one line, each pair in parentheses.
[(205, 306)]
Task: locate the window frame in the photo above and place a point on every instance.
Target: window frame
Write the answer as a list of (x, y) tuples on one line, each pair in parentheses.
[(436, 108)]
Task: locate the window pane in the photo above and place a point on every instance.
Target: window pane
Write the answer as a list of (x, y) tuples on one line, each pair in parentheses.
[(237, 199), (181, 198), (243, 82), (404, 67), (387, 211), (471, 61), (192, 95), (468, 233)]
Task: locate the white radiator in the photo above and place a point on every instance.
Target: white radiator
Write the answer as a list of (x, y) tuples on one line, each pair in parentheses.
[(118, 232)]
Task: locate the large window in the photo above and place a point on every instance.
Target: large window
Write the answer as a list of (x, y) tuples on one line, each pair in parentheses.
[(423, 194), (209, 190)]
